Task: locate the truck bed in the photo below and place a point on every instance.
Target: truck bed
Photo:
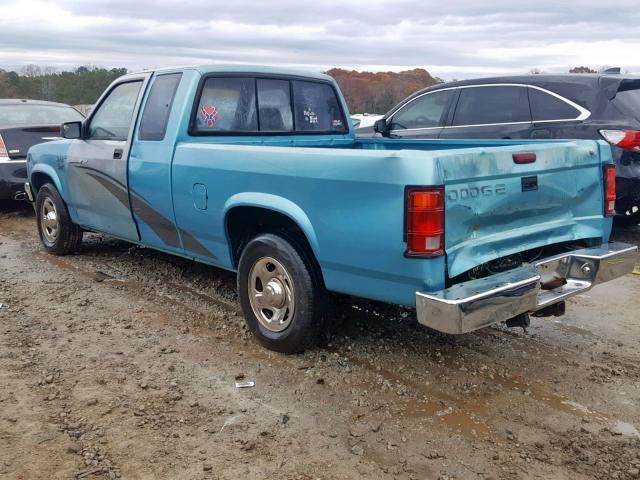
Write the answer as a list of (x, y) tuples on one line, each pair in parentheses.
[(349, 195)]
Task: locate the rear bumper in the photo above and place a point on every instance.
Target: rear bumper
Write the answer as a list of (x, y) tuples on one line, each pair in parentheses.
[(475, 304), (13, 174)]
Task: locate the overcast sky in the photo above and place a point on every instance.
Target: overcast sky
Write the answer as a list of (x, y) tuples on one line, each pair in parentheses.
[(450, 38)]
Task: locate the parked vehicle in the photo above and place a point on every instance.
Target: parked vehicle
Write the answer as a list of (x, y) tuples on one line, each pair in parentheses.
[(361, 120), (257, 171), (602, 106), (24, 123)]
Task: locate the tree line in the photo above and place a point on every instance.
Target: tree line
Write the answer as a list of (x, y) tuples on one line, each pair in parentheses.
[(365, 92), (82, 85)]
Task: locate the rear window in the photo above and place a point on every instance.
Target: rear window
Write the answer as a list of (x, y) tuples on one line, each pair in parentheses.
[(547, 107), (267, 105), (316, 108), (23, 114), (487, 105), (227, 104), (274, 105)]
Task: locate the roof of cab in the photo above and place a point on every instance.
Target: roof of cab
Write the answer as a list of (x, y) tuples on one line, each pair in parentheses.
[(247, 69)]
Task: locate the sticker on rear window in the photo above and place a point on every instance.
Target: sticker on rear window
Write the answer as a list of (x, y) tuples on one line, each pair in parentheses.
[(208, 115), (310, 116)]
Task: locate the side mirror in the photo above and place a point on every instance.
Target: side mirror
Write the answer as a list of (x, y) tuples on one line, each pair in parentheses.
[(72, 130), (381, 127)]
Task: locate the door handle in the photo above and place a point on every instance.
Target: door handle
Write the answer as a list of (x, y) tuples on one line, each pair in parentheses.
[(117, 154)]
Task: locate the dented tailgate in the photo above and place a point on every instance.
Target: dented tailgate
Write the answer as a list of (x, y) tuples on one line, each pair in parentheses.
[(496, 207)]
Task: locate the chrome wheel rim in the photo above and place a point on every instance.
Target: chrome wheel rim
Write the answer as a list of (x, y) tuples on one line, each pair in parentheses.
[(271, 294), (49, 221)]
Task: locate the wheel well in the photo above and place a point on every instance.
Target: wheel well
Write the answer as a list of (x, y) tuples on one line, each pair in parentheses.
[(244, 223), (38, 179)]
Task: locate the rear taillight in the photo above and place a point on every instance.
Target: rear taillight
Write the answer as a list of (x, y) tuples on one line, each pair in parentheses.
[(424, 221), (626, 139), (609, 175), (3, 148)]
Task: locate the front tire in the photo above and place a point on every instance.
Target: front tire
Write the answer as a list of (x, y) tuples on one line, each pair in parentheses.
[(58, 234), (281, 294)]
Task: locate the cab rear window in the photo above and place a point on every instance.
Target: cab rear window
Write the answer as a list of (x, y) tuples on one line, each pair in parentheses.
[(316, 108), (274, 106)]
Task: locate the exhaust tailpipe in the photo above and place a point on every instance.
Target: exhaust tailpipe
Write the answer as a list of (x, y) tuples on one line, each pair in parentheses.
[(20, 196)]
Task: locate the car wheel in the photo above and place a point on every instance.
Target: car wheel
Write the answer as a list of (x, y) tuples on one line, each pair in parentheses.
[(281, 293), (58, 234)]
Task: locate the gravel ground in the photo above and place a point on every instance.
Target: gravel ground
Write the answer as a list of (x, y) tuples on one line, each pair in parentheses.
[(121, 362)]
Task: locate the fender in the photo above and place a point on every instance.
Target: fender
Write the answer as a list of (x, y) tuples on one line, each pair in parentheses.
[(49, 171), (277, 204)]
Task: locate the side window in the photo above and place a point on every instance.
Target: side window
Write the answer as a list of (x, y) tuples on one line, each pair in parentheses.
[(155, 115), (423, 112), (274, 106), (112, 119), (495, 104), (227, 104), (547, 107), (316, 108)]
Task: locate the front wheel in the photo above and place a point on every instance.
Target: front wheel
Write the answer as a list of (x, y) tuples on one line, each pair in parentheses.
[(281, 293), (58, 234)]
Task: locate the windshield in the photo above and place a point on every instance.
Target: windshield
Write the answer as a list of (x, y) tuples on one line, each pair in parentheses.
[(23, 114), (629, 102)]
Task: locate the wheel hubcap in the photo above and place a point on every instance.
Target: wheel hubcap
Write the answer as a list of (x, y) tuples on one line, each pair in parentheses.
[(49, 220), (271, 294)]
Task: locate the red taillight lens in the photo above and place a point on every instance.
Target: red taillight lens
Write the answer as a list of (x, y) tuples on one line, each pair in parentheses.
[(626, 139), (609, 175), (524, 157), (3, 148), (424, 221)]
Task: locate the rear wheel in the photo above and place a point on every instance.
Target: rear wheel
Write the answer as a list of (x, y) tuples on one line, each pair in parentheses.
[(281, 294), (58, 234)]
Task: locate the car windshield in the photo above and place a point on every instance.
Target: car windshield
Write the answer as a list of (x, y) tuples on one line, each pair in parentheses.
[(629, 102), (23, 114)]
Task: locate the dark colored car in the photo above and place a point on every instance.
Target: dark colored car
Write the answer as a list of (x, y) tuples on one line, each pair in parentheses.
[(573, 106), (24, 123)]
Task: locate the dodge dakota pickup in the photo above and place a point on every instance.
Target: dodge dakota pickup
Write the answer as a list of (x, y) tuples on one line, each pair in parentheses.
[(258, 171)]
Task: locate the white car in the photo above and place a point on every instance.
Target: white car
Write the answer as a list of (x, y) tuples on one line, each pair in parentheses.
[(361, 120)]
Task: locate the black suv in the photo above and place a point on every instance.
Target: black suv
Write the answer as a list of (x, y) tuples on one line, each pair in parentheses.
[(574, 106)]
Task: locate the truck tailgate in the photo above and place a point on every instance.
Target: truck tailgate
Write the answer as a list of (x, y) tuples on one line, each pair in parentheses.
[(497, 207)]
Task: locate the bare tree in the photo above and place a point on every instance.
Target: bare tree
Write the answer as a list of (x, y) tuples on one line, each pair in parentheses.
[(31, 71), (535, 71)]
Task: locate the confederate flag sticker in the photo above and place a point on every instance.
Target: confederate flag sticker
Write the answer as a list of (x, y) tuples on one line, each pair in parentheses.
[(208, 115)]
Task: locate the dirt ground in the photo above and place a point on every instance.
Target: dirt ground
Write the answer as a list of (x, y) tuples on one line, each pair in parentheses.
[(121, 362)]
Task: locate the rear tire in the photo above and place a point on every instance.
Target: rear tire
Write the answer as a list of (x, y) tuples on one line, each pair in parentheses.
[(281, 294), (58, 234)]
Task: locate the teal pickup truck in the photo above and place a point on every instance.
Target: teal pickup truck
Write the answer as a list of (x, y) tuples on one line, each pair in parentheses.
[(257, 170)]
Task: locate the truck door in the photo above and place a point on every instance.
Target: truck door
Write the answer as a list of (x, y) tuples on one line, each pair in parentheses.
[(150, 162), (97, 163)]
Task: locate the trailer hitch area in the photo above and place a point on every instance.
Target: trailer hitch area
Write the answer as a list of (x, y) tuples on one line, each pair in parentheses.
[(522, 320), (555, 310)]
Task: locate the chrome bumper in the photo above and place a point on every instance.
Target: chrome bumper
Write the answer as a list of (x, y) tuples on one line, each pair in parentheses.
[(478, 303), (28, 192)]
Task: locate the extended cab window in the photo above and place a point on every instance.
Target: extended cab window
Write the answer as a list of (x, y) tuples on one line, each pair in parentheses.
[(547, 107), (227, 104), (423, 112), (112, 119), (274, 105), (494, 104), (316, 108), (153, 125)]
